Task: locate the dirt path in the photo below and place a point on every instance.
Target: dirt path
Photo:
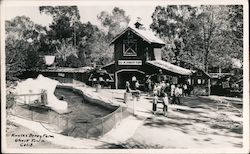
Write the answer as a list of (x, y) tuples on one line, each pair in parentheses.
[(197, 124)]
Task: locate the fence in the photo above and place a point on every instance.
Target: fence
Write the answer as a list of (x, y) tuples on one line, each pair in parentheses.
[(60, 123), (37, 98)]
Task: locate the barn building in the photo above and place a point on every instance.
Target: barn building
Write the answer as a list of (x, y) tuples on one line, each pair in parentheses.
[(137, 52)]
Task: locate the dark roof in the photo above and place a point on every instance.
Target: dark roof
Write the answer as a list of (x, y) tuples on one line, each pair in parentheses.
[(66, 69), (170, 67), (147, 35), (205, 73), (194, 67), (112, 63)]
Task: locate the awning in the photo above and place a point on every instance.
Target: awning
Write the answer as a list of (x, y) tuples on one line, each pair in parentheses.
[(170, 67)]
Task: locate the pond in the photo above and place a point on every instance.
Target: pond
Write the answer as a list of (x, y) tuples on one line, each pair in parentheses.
[(84, 119), (79, 108)]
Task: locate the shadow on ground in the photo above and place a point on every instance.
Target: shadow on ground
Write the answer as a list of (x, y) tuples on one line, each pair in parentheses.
[(129, 144), (200, 117)]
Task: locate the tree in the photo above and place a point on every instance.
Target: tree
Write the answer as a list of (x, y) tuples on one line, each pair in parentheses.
[(170, 23), (94, 46), (114, 22), (74, 43), (63, 28), (198, 35), (235, 18), (22, 43)]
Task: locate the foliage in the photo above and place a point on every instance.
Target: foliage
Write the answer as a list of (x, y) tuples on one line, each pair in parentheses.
[(10, 100), (22, 43), (199, 35), (62, 28), (74, 43), (170, 23), (114, 22)]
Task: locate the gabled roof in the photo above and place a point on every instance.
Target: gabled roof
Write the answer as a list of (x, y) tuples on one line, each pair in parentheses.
[(170, 67), (147, 35)]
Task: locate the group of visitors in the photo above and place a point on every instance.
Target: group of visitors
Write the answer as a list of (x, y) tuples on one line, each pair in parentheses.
[(133, 88), (160, 91), (167, 93)]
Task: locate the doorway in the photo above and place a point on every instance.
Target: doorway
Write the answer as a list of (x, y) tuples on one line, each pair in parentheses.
[(126, 75)]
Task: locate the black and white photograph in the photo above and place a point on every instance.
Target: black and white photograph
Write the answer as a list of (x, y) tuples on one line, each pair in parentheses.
[(124, 76)]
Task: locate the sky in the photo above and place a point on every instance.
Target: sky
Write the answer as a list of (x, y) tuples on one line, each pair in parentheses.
[(87, 13)]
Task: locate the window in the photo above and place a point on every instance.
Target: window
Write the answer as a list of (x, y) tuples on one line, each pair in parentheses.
[(199, 81), (129, 48)]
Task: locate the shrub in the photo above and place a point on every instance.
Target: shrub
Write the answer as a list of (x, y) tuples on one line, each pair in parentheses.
[(200, 91), (10, 100)]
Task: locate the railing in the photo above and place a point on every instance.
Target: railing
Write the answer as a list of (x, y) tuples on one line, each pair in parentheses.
[(60, 123), (33, 98)]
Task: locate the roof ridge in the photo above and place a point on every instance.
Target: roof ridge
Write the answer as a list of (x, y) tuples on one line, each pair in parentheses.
[(149, 36)]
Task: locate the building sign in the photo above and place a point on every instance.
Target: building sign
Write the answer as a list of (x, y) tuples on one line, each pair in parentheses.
[(129, 62)]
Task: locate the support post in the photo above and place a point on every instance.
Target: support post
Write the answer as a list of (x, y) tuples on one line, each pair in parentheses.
[(31, 115), (115, 118), (102, 128), (209, 87), (134, 105)]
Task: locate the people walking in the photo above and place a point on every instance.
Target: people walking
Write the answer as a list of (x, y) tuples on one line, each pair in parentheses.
[(172, 90), (128, 90), (150, 87), (160, 96), (185, 89), (176, 95), (133, 82), (137, 85)]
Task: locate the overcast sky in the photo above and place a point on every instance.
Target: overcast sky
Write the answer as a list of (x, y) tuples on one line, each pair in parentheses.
[(87, 13)]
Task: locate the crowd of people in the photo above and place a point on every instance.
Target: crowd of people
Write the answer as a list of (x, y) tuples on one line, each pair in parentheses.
[(164, 92)]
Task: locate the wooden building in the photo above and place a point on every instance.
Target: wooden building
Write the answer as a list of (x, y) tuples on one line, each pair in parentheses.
[(62, 74), (199, 80), (137, 52)]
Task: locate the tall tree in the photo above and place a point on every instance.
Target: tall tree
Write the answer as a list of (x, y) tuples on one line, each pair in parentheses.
[(114, 22), (170, 23), (196, 34), (63, 27), (235, 18), (22, 44)]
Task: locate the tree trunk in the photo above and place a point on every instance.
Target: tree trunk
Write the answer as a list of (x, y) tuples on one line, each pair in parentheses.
[(206, 60)]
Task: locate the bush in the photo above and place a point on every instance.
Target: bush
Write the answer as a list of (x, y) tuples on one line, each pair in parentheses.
[(200, 91), (10, 100)]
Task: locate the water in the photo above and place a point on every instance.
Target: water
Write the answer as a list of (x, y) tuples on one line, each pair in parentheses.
[(80, 109)]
